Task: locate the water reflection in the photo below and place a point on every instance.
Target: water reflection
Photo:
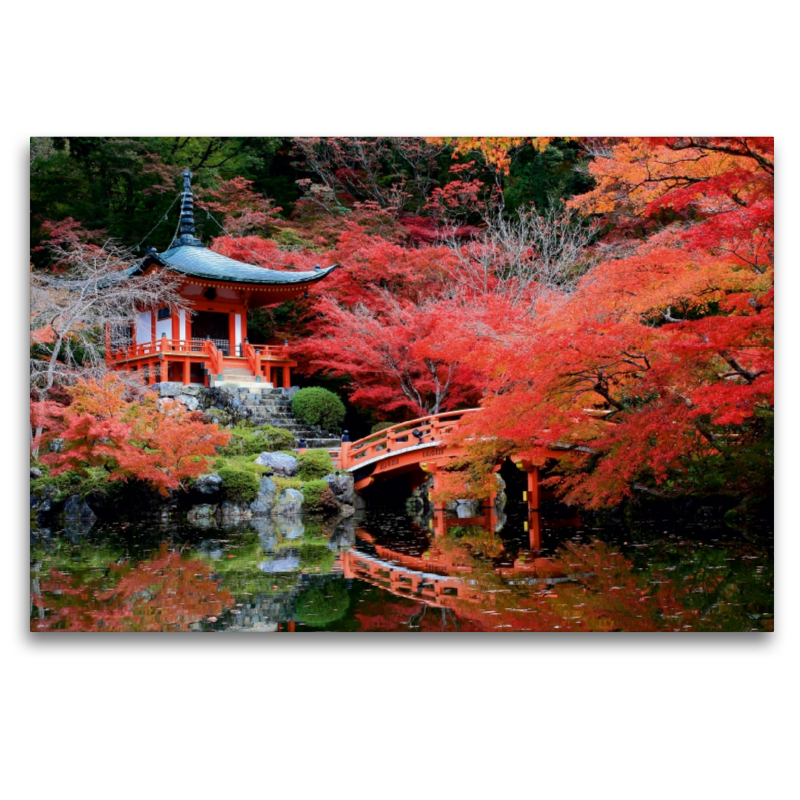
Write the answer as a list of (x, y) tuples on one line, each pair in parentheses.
[(472, 569)]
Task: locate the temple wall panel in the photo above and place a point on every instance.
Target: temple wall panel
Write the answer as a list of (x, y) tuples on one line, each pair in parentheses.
[(143, 327)]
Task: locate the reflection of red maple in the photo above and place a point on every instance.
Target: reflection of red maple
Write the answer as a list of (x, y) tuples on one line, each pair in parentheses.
[(384, 614), (166, 593)]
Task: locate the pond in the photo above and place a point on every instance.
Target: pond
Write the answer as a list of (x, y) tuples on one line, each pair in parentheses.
[(389, 570)]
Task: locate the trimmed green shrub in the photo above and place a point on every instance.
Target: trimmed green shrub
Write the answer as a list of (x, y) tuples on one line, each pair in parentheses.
[(314, 464), (381, 426), (323, 604), (238, 486), (277, 438), (317, 497), (252, 441), (318, 406)]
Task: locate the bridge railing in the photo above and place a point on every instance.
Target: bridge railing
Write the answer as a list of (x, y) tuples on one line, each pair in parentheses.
[(435, 428)]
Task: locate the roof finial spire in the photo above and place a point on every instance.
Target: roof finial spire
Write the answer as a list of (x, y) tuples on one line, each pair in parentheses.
[(187, 236)]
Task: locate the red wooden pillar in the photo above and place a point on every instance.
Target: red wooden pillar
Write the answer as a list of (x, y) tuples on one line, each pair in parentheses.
[(151, 372), (187, 375), (344, 455), (287, 380)]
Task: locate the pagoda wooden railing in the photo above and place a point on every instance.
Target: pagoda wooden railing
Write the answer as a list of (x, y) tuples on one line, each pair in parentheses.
[(255, 354), (215, 357), (436, 428), (258, 355)]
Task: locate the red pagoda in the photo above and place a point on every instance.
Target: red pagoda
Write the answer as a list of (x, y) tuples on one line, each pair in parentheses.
[(208, 344)]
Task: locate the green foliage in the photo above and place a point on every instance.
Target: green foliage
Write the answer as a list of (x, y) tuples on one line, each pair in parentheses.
[(545, 177), (318, 497), (290, 239), (95, 482), (283, 484), (252, 441), (322, 605), (238, 486), (314, 464), (317, 406), (124, 185), (381, 426), (277, 438), (242, 463)]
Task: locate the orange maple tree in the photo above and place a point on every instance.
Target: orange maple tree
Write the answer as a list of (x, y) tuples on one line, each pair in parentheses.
[(661, 360), (131, 439)]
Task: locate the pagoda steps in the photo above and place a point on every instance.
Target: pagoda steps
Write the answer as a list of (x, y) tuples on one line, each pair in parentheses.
[(262, 405)]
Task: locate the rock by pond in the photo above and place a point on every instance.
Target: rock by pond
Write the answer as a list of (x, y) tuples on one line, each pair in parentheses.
[(75, 508), (262, 505), (233, 512), (280, 463), (343, 488), (208, 484)]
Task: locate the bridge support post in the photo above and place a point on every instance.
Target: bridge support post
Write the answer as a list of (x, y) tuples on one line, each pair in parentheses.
[(534, 489), (534, 526), (439, 522)]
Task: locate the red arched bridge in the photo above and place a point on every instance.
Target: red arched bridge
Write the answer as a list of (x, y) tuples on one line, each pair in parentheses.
[(421, 446)]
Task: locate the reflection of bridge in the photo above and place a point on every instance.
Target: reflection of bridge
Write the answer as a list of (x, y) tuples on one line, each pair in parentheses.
[(424, 445), (434, 580)]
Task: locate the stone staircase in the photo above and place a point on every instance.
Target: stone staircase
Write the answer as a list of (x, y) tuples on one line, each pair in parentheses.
[(236, 376), (263, 405)]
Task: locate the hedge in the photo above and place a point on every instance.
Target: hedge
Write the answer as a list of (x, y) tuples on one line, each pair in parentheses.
[(238, 486), (318, 406), (251, 442), (317, 496), (314, 464)]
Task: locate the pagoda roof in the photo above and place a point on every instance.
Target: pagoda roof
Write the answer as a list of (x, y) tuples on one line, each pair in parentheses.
[(188, 256), (197, 261)]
